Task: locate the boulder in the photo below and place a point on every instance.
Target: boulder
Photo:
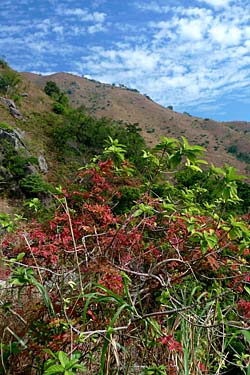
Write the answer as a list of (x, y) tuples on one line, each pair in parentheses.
[(16, 113), (43, 166), (12, 108), (8, 102), (14, 137)]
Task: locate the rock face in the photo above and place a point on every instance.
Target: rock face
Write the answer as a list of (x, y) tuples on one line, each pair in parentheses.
[(12, 108), (13, 137), (20, 171), (16, 162), (43, 166)]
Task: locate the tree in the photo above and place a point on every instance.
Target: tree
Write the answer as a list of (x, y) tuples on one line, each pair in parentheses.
[(52, 89)]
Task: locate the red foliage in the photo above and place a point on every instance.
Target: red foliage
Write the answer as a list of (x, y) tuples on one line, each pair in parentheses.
[(244, 308), (112, 281), (145, 245), (171, 343)]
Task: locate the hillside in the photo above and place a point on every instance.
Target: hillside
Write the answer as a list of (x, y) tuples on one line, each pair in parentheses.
[(225, 142), (120, 103)]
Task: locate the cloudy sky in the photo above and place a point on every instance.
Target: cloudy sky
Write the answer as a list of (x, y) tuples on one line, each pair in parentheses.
[(192, 54)]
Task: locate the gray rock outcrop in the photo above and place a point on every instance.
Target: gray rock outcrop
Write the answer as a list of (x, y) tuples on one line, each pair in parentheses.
[(12, 108), (43, 166), (14, 137)]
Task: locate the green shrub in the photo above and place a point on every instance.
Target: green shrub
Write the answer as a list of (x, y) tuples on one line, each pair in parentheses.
[(82, 135), (17, 164), (33, 184), (9, 81), (232, 149), (58, 108), (63, 99), (129, 195), (52, 89), (242, 156)]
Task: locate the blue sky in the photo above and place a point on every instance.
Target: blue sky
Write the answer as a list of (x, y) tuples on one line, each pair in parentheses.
[(194, 55)]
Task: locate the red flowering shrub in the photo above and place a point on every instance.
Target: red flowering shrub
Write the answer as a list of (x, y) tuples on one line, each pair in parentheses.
[(125, 279)]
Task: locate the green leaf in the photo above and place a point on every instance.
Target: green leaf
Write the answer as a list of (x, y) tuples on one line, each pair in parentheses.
[(231, 174), (246, 334), (194, 167), (247, 289), (186, 366), (54, 369), (219, 311), (63, 358), (137, 213), (67, 372), (175, 159), (20, 256)]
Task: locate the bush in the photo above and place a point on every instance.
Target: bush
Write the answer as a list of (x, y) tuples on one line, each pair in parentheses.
[(242, 156), (144, 291), (232, 149), (84, 136), (129, 195), (58, 108), (34, 184), (52, 89), (17, 164), (9, 81)]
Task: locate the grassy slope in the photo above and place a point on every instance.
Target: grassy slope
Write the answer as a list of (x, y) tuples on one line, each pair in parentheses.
[(155, 120)]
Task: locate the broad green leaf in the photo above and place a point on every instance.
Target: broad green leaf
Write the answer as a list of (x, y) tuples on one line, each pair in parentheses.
[(63, 358), (175, 159), (54, 369), (20, 257)]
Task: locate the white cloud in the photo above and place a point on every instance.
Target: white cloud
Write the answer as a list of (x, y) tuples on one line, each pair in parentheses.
[(96, 28), (58, 29), (216, 3), (191, 29), (225, 34), (83, 14), (152, 6), (189, 58)]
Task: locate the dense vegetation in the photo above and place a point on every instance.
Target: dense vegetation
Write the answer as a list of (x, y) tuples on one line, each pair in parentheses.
[(138, 265), (132, 273)]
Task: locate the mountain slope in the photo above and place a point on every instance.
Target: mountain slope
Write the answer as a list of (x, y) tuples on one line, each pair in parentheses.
[(227, 142)]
